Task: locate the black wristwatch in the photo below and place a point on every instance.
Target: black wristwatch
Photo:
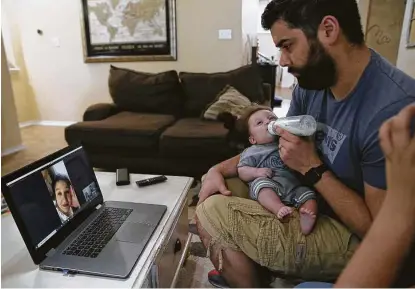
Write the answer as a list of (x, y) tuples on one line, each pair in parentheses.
[(315, 174)]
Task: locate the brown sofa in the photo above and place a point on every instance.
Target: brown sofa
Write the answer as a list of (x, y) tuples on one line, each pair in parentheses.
[(155, 124)]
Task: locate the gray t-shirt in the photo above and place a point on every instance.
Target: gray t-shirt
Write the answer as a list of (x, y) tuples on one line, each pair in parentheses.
[(268, 156), (262, 156), (347, 136)]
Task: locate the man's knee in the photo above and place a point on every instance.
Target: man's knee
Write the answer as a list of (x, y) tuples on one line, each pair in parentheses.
[(213, 207), (212, 215)]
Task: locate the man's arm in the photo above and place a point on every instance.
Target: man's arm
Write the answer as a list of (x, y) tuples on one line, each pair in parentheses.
[(214, 181), (227, 168), (352, 209)]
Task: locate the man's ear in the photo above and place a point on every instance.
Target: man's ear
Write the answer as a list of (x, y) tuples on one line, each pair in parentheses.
[(252, 140), (329, 30)]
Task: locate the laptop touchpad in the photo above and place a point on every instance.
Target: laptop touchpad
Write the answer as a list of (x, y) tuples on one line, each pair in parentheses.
[(134, 232)]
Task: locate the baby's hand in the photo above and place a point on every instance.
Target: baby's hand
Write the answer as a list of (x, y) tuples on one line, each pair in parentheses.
[(263, 173)]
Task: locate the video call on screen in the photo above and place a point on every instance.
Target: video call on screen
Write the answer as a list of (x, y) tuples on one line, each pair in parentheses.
[(50, 197)]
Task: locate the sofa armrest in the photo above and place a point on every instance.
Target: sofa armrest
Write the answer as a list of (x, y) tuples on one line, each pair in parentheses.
[(266, 87), (100, 111)]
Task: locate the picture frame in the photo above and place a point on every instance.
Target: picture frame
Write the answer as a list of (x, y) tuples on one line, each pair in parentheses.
[(128, 30), (410, 37)]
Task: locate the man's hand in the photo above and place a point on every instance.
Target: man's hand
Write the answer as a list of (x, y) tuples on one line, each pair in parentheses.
[(263, 173), (399, 149), (297, 153), (212, 184)]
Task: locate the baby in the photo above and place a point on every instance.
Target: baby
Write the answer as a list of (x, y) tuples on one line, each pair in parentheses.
[(271, 182)]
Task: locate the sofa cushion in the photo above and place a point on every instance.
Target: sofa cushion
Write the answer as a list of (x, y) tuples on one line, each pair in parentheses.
[(125, 129), (202, 88), (194, 137), (146, 92), (229, 100)]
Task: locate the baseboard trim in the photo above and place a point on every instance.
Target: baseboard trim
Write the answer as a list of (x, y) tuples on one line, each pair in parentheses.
[(46, 123), (12, 150), (28, 123), (55, 123)]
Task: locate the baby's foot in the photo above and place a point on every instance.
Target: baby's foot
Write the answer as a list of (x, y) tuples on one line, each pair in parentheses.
[(307, 220), (283, 212)]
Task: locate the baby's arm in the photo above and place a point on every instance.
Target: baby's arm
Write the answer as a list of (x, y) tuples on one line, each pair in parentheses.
[(248, 174), (247, 170)]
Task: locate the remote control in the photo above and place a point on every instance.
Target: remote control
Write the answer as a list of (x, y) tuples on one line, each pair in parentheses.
[(151, 181)]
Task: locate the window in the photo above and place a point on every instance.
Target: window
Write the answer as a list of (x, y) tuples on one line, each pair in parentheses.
[(411, 26)]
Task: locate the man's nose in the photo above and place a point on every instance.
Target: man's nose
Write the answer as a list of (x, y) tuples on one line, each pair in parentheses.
[(284, 60)]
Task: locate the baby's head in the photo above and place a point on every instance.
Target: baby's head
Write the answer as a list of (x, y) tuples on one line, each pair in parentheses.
[(254, 122)]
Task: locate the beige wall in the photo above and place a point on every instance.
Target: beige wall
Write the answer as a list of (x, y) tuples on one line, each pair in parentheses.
[(384, 27), (24, 95), (406, 57), (364, 12), (10, 132), (64, 85)]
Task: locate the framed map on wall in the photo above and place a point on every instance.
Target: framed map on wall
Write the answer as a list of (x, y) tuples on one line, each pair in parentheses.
[(129, 30)]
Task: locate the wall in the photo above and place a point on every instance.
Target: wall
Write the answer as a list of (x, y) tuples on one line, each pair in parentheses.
[(24, 95), (10, 132), (64, 85), (364, 11), (384, 27), (249, 27), (406, 57)]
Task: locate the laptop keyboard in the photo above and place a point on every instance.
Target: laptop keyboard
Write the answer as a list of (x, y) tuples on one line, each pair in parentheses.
[(96, 236)]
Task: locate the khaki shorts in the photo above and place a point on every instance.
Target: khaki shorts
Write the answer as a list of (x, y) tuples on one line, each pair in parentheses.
[(244, 225)]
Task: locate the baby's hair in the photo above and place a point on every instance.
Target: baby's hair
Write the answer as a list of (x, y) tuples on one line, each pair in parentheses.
[(228, 119), (238, 126), (242, 122)]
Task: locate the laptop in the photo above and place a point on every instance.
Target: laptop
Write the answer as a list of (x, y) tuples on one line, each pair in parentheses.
[(59, 210)]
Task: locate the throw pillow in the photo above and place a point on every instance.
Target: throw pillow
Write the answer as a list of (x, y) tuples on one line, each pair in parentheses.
[(229, 100), (202, 88), (146, 92)]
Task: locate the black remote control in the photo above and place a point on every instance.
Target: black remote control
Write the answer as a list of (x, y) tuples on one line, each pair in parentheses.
[(151, 181)]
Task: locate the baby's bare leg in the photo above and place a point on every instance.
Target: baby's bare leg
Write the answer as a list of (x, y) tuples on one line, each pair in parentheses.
[(270, 201), (308, 213)]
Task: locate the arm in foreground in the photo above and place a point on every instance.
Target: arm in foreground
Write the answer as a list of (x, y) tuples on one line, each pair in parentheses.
[(379, 258)]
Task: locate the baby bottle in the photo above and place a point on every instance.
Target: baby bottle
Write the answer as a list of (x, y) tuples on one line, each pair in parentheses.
[(301, 125)]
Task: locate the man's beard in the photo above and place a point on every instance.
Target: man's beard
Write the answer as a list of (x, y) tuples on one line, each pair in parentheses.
[(320, 70)]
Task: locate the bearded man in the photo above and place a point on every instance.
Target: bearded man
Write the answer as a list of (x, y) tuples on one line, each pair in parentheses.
[(350, 90)]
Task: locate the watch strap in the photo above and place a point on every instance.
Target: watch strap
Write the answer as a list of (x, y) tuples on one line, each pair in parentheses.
[(315, 174)]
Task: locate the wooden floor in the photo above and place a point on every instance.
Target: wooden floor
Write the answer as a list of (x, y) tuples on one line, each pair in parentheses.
[(39, 141)]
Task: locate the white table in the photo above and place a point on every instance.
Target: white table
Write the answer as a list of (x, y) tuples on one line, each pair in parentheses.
[(18, 269)]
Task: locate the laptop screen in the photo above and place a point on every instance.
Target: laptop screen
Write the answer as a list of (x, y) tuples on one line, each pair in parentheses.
[(48, 197)]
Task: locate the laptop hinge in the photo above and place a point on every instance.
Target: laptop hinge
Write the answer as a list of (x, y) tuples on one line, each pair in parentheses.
[(51, 252)]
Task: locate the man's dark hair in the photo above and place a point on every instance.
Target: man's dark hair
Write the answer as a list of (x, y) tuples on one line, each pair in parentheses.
[(308, 14), (59, 178)]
